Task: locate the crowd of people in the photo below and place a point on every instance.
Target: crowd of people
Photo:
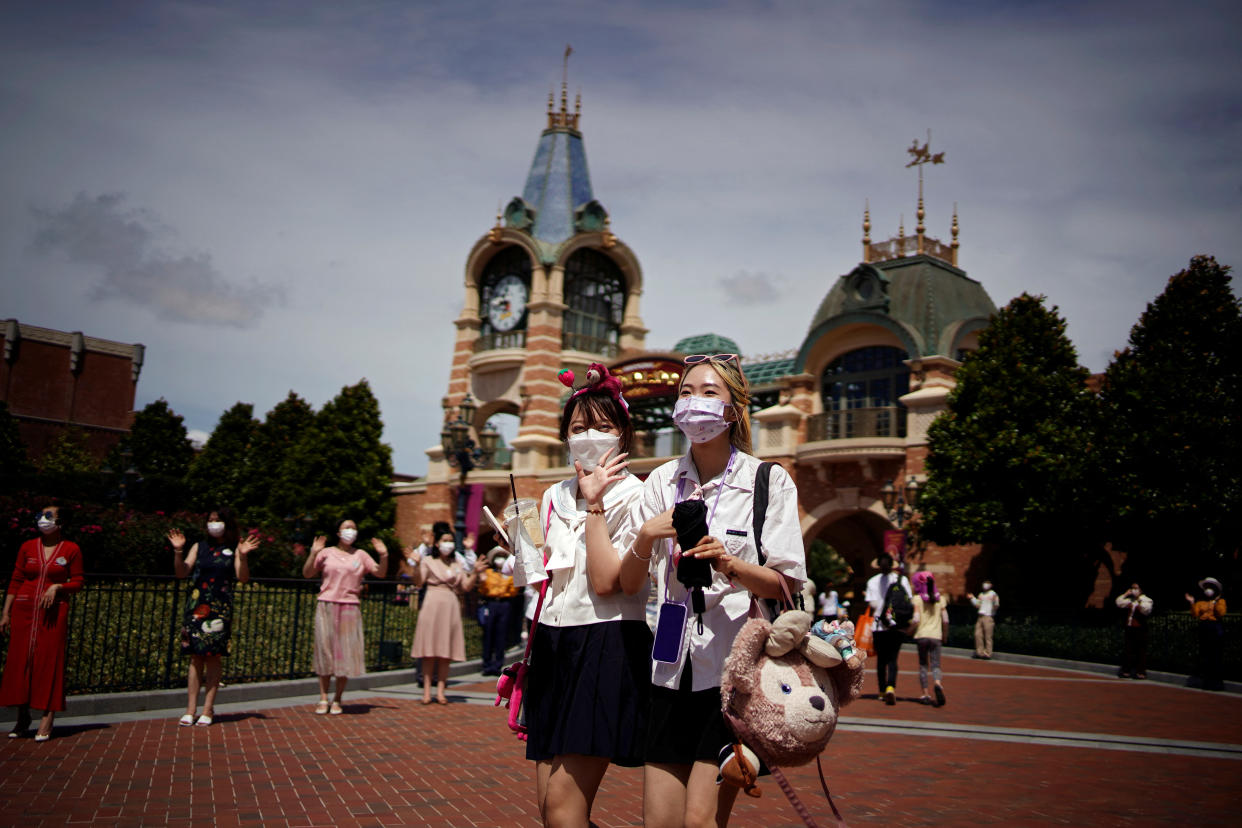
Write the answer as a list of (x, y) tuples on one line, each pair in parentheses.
[(604, 686)]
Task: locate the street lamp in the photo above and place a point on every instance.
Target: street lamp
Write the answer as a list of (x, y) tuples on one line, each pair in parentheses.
[(463, 454)]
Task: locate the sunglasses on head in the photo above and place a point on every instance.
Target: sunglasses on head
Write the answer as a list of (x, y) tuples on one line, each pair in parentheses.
[(695, 359)]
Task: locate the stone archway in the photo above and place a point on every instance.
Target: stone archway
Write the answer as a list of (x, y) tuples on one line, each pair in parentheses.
[(856, 531)]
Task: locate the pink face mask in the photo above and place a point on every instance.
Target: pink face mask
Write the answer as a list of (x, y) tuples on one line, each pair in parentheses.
[(700, 418)]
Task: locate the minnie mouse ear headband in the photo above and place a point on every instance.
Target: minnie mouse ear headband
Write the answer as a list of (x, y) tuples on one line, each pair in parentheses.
[(598, 378)]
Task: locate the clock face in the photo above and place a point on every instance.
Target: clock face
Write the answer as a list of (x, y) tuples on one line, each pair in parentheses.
[(507, 304)]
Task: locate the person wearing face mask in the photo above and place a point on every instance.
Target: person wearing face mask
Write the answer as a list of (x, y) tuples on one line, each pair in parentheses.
[(1135, 608), (339, 645), (497, 591), (213, 564), (987, 602), (47, 571), (589, 644), (1209, 611), (686, 729), (438, 634)]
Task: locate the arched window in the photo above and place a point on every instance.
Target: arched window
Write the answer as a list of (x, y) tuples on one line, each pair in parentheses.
[(861, 391), (595, 294), (504, 290)]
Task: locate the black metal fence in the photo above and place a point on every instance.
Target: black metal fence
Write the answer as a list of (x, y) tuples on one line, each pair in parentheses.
[(1096, 635), (124, 632)]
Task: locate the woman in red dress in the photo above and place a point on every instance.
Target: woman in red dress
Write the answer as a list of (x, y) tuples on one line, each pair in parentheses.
[(36, 611)]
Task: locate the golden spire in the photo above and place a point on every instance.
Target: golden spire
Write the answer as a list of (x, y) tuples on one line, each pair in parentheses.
[(493, 235), (564, 119), (867, 230), (610, 241), (919, 228), (901, 230), (953, 245)]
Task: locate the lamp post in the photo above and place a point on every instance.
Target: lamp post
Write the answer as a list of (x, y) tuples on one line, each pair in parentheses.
[(901, 505), (463, 454)]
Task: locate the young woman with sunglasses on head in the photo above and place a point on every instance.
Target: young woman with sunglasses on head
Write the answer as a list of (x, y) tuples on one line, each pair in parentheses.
[(586, 697), (686, 730), (47, 571)]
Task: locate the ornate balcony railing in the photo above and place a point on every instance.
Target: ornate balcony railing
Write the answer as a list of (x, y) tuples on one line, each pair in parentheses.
[(496, 341), (887, 421)]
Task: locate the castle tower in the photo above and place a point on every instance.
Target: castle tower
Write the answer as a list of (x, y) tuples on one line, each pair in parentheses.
[(548, 287)]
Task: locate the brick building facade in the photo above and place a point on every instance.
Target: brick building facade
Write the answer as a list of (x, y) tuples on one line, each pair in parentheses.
[(53, 380)]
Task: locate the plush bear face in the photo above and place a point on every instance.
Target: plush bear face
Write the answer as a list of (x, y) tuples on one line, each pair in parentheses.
[(794, 694), (780, 703)]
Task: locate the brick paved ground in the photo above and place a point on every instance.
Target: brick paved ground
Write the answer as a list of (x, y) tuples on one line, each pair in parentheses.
[(1016, 745)]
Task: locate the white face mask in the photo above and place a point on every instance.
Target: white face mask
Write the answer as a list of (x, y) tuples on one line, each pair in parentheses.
[(46, 525), (499, 561), (215, 528), (447, 548), (348, 535), (700, 418), (986, 586), (589, 447)]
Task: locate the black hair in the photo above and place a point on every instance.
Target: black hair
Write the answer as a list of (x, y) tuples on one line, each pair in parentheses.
[(231, 533), (884, 562), (441, 528), (601, 406)]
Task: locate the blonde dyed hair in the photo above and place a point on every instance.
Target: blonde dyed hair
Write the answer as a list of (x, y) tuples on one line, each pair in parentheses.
[(731, 375)]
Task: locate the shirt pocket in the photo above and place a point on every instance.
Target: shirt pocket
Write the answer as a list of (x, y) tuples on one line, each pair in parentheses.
[(738, 543)]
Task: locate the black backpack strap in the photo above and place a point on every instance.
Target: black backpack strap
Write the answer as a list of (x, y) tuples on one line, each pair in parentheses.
[(888, 596), (762, 476)]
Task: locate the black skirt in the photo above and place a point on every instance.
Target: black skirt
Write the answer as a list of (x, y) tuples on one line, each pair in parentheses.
[(587, 691), (686, 726)]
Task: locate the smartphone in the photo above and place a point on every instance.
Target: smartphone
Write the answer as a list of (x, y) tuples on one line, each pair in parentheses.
[(670, 628), (500, 532)]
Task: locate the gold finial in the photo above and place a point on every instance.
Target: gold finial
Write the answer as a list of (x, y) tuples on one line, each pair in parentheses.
[(551, 114), (577, 109), (953, 245), (867, 230), (494, 234), (901, 228), (569, 50), (610, 241), (919, 228)]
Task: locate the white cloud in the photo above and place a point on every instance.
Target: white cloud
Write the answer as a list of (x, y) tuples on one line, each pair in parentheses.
[(120, 244), (353, 155)]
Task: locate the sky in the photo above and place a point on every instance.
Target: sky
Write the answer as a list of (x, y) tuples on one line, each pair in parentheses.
[(277, 196)]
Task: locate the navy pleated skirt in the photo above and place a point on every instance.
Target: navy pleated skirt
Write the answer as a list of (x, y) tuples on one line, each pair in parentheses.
[(587, 691)]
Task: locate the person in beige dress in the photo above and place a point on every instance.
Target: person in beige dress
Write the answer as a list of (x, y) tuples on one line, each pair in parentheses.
[(438, 634)]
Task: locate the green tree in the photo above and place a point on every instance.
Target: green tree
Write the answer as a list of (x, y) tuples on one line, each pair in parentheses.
[(157, 443), (279, 432), (1171, 401), (340, 468), (825, 565), (13, 456), (218, 476), (69, 454), (1011, 461)]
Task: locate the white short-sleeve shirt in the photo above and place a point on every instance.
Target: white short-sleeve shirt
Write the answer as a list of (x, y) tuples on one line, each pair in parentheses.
[(570, 601), (732, 524)]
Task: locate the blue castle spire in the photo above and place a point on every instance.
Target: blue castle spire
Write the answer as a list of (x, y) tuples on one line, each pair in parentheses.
[(557, 201)]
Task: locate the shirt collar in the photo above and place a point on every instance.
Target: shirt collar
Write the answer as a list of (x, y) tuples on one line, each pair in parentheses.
[(739, 477)]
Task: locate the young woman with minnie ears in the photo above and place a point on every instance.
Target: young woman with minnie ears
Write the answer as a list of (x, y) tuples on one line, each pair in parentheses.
[(586, 693), (686, 730)]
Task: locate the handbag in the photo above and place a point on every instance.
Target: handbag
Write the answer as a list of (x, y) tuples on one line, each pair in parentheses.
[(511, 686), (862, 633)]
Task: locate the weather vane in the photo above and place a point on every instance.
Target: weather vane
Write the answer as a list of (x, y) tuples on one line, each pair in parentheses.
[(923, 155)]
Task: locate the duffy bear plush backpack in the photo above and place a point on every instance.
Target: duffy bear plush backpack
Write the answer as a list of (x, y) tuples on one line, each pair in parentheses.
[(782, 687)]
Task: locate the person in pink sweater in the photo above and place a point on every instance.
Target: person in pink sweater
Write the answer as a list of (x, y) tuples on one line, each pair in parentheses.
[(338, 614)]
